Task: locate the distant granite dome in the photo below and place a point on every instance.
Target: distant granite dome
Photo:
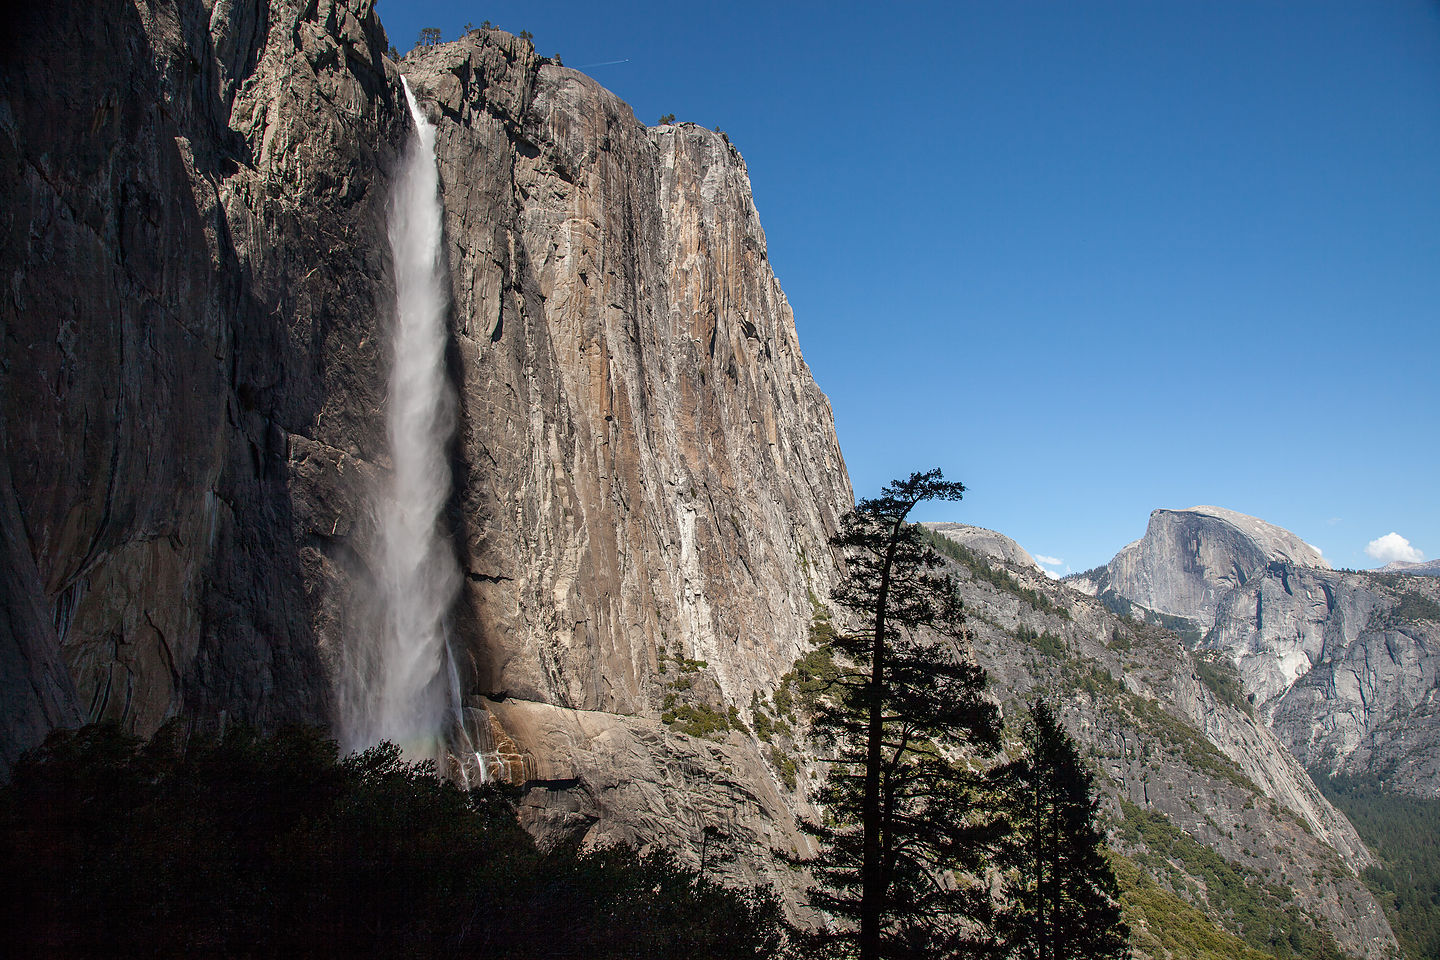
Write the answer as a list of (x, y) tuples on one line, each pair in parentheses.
[(1189, 559), (986, 543), (1425, 568), (1277, 542), (1342, 665)]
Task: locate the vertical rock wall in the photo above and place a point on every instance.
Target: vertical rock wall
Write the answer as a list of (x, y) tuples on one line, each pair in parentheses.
[(191, 366), (647, 473), (1341, 664), (195, 322), (647, 462)]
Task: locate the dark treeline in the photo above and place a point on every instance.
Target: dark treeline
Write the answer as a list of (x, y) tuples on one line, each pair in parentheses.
[(251, 846)]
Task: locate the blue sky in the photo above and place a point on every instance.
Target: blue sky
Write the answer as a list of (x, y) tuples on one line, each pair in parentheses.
[(1091, 258)]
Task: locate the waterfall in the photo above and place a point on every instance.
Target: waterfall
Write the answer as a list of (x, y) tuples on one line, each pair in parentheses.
[(405, 687)]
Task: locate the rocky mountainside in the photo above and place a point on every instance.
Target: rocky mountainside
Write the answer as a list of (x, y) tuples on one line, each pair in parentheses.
[(653, 475), (1181, 754), (985, 543), (1189, 559), (1428, 568), (1370, 701), (1341, 664), (650, 460)]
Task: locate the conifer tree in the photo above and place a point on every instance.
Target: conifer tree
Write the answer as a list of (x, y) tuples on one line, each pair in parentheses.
[(903, 827), (1063, 902)]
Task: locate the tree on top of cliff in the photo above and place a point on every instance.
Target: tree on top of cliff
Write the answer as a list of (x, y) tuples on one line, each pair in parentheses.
[(906, 826), (1063, 901)]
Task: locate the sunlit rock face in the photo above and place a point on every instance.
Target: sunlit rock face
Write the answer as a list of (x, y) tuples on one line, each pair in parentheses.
[(200, 298), (648, 462), (1189, 560), (1286, 619), (649, 475), (1341, 664), (1370, 701), (1428, 568), (1244, 585)]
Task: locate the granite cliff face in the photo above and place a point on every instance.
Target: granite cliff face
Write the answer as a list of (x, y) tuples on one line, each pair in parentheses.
[(193, 223), (649, 460), (1340, 664), (1370, 701), (1189, 559), (651, 474), (196, 325)]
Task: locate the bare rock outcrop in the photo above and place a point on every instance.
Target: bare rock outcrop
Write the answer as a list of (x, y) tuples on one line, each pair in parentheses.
[(985, 543), (1172, 739), (648, 464), (1370, 702), (1286, 619), (650, 474), (1425, 568), (1189, 560), (606, 778)]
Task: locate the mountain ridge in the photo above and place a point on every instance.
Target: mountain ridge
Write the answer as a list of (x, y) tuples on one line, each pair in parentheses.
[(1340, 663), (1175, 744), (1423, 568)]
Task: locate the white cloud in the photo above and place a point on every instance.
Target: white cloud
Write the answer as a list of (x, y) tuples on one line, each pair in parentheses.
[(1392, 547), (1045, 561)]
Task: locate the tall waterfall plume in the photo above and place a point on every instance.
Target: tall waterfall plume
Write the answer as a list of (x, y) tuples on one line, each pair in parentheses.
[(405, 687)]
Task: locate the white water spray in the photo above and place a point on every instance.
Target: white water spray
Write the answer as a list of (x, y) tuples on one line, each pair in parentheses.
[(407, 689)]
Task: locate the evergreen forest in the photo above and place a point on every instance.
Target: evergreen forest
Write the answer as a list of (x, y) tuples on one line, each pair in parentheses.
[(1404, 833)]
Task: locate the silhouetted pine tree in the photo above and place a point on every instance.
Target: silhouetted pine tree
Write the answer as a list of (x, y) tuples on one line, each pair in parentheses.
[(1063, 902), (903, 828)]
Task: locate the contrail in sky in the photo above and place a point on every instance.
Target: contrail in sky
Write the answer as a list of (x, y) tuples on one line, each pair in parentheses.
[(602, 63)]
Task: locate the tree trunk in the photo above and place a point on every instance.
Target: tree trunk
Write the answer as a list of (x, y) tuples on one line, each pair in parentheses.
[(872, 881)]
